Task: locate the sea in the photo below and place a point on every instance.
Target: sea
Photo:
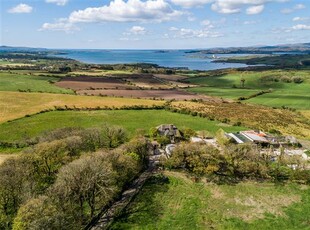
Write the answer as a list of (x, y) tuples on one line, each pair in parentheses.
[(165, 58), (187, 59)]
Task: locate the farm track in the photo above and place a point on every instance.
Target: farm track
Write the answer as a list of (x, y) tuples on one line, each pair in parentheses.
[(105, 218)]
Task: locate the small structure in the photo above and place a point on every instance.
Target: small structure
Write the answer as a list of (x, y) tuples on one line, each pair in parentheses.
[(197, 140), (169, 149), (263, 139), (209, 141), (257, 137), (170, 131)]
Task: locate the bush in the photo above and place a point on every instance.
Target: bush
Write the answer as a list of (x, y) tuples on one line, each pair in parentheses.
[(199, 159), (301, 176), (275, 131), (113, 136), (286, 79), (269, 78), (188, 133), (163, 140), (280, 173), (298, 80), (238, 123)]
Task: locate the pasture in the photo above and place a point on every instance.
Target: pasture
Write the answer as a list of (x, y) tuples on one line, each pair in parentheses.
[(33, 83), (284, 92), (131, 120), (249, 115), (180, 203), (16, 105)]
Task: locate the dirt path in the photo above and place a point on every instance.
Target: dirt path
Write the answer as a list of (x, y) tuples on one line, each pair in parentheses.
[(106, 217)]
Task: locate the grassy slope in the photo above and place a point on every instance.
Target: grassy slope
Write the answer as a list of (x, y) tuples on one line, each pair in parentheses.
[(254, 116), (182, 204), (129, 119), (15, 82), (287, 94), (15, 104)]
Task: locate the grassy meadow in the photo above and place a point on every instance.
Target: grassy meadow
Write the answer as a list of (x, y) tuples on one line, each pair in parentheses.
[(179, 203), (131, 120), (15, 104), (253, 116), (229, 86), (33, 83)]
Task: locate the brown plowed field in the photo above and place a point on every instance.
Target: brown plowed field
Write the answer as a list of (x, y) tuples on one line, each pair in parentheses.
[(128, 86), (86, 83)]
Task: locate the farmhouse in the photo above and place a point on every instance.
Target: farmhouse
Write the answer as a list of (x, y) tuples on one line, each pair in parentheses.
[(170, 131)]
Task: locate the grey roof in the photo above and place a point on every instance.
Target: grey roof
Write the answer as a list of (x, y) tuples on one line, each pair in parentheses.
[(168, 130)]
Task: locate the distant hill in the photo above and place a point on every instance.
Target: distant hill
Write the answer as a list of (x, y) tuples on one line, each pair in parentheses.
[(21, 49), (288, 48)]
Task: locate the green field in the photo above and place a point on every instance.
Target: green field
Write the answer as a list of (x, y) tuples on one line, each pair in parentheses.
[(283, 94), (182, 204), (229, 93), (17, 82), (131, 120), (16, 104)]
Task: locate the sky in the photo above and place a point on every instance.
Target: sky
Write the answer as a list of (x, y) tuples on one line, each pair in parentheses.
[(153, 24)]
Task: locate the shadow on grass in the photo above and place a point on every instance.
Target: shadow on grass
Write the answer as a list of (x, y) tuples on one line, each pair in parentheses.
[(144, 208)]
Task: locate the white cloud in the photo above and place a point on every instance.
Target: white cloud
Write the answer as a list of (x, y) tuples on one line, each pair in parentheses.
[(225, 8), (119, 11), (299, 7), (191, 33), (255, 9), (173, 29), (207, 24), (20, 9), (228, 6), (235, 6), (59, 25), (130, 11), (58, 2), (301, 27), (295, 8), (129, 39), (250, 22), (136, 30), (295, 19), (191, 3)]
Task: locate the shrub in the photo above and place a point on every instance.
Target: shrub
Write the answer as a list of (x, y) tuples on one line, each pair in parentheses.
[(238, 123), (286, 79), (298, 80), (275, 131)]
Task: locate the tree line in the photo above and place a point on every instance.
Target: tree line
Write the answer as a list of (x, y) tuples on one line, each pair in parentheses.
[(64, 181)]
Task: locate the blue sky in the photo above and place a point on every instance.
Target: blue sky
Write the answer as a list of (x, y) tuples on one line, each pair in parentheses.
[(153, 24)]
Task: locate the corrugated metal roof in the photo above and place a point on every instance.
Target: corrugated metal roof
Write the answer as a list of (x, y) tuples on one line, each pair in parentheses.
[(239, 141), (254, 136)]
